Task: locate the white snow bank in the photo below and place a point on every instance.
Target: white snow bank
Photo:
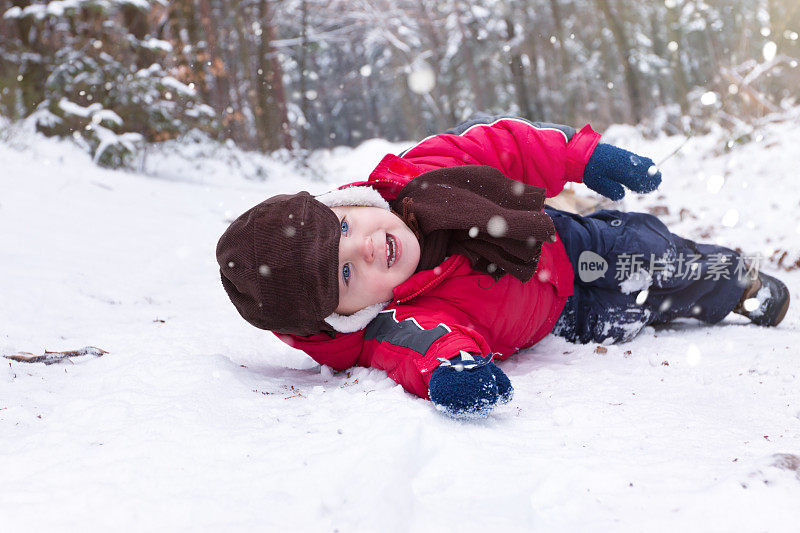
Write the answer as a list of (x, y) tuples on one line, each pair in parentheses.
[(195, 420)]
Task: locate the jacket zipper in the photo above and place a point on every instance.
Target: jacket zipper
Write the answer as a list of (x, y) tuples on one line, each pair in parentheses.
[(398, 183), (427, 285)]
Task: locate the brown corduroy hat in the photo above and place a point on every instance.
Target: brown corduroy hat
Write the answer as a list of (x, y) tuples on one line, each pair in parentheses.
[(279, 264)]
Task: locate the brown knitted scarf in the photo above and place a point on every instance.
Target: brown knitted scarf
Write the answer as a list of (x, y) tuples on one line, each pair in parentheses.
[(477, 212)]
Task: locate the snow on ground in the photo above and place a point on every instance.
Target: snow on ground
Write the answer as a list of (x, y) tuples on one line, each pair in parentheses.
[(197, 421)]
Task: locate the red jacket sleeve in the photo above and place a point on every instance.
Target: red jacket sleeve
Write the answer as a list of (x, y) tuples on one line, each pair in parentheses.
[(543, 155), (340, 352), (405, 341)]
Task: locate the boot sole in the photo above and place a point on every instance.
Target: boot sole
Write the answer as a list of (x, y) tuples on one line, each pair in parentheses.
[(779, 316), (782, 312)]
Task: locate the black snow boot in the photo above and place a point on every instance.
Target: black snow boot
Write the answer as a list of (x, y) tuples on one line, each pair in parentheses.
[(765, 301)]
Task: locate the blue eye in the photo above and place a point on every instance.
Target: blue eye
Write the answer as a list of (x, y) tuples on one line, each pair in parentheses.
[(346, 268)]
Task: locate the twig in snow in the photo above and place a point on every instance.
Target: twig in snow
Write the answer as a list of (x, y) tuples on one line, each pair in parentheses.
[(675, 151), (49, 358)]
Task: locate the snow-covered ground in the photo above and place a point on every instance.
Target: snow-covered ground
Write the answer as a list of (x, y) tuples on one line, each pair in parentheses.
[(195, 420)]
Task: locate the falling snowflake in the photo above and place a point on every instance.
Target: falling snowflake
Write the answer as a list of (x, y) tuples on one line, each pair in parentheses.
[(769, 50), (641, 298), (731, 218), (497, 226), (422, 79), (751, 304), (708, 98)]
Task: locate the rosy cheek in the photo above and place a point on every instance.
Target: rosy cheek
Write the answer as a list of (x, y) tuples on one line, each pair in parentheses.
[(378, 285)]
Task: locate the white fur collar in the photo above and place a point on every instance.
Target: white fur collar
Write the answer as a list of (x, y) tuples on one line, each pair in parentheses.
[(357, 195), (356, 321)]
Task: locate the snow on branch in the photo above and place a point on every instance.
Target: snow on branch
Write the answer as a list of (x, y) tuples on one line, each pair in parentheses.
[(49, 358)]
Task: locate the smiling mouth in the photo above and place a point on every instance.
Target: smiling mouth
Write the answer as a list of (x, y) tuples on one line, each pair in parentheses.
[(390, 250)]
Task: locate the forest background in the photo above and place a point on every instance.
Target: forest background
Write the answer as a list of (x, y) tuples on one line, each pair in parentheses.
[(300, 75)]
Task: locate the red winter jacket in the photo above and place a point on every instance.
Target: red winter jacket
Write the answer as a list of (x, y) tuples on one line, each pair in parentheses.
[(436, 313)]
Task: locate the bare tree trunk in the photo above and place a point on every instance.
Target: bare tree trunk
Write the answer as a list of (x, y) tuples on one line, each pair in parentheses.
[(136, 22), (660, 50), (321, 127), (566, 67), (31, 85), (302, 65), (238, 101), (278, 90), (443, 91), (538, 84), (410, 113), (266, 130), (676, 62), (517, 71), (478, 93), (624, 49), (373, 123), (221, 92), (182, 17), (270, 106), (247, 101)]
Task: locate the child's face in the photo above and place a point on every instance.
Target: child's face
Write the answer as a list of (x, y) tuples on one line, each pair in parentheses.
[(365, 276)]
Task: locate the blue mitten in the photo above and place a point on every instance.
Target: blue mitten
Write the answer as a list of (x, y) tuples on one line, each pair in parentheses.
[(610, 167), (469, 386)]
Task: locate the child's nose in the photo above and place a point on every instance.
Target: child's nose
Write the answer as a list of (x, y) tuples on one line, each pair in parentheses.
[(367, 249)]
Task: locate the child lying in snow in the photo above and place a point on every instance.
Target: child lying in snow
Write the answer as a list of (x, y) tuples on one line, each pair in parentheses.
[(440, 263)]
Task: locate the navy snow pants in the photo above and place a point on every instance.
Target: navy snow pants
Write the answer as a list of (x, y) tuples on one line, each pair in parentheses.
[(631, 271)]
